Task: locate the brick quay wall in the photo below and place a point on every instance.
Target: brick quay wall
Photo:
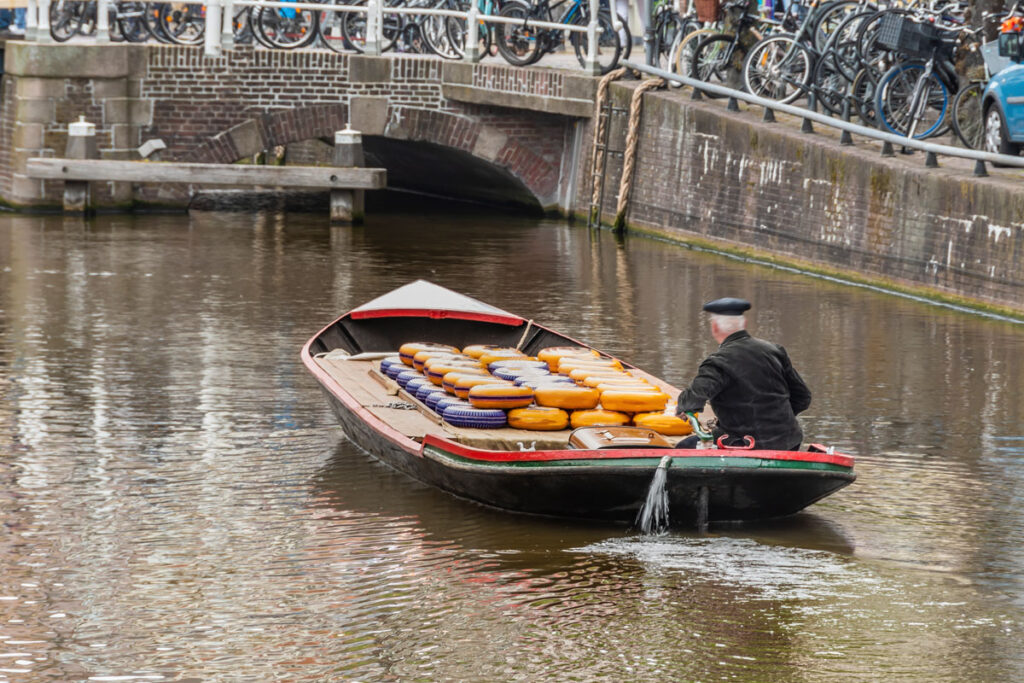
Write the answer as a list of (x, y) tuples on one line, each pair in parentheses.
[(728, 181)]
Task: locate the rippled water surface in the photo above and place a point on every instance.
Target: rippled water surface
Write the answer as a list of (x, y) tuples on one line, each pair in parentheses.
[(177, 503)]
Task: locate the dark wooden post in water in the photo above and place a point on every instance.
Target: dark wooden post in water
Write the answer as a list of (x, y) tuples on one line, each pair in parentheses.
[(81, 145), (347, 206)]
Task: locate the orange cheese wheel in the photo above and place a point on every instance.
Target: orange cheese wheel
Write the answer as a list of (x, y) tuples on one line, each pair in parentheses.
[(408, 350), (569, 397), (552, 354), (634, 401), (448, 381), (463, 384), (538, 418), (622, 378), (669, 425), (502, 396), (598, 418)]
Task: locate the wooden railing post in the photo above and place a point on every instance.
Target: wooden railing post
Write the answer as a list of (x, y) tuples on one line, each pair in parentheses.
[(81, 145), (347, 206)]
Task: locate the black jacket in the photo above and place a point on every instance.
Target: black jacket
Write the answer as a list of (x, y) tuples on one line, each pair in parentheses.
[(753, 390)]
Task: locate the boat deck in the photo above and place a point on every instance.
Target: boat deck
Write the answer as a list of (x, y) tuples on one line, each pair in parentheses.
[(382, 396)]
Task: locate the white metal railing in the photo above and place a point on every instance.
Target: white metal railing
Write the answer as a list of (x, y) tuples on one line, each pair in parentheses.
[(932, 149), (219, 23)]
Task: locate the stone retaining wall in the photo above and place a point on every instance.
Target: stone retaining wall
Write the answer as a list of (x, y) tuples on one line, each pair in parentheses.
[(728, 180)]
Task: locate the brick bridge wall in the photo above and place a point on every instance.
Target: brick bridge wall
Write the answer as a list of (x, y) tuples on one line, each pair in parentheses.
[(227, 108)]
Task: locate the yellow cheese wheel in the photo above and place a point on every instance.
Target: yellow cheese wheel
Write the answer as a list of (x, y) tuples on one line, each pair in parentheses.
[(502, 396), (669, 425), (552, 354), (408, 350), (436, 368), (567, 365), (538, 418), (581, 374), (463, 384), (477, 350), (569, 397), (499, 354), (420, 358), (634, 401), (623, 378), (636, 386), (448, 381), (598, 418)]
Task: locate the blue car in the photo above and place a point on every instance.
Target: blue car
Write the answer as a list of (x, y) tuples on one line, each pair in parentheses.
[(1003, 100)]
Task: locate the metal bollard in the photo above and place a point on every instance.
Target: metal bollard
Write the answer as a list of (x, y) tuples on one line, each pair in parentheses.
[(81, 145), (591, 65), (348, 206)]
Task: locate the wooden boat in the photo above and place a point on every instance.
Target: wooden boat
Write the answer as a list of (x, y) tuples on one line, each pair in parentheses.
[(537, 472)]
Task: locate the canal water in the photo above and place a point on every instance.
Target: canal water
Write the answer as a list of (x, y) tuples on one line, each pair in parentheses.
[(178, 504)]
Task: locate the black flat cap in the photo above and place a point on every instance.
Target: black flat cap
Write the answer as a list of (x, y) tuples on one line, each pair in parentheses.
[(727, 306)]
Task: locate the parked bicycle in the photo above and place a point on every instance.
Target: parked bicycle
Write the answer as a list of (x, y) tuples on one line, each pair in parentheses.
[(521, 44)]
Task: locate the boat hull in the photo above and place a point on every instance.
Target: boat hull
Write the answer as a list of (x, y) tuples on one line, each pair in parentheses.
[(739, 487)]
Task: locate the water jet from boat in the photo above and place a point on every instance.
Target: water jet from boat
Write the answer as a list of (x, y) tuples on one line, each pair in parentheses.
[(653, 516)]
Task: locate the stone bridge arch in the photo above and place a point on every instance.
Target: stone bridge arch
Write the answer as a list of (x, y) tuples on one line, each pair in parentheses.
[(480, 154)]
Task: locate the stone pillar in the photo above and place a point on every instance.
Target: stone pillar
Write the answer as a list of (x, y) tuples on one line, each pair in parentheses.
[(81, 145), (347, 206)]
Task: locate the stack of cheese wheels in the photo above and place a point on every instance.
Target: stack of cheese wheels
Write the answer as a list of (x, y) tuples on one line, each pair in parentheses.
[(503, 396), (538, 418), (669, 425), (410, 349), (420, 358), (552, 354), (501, 353), (463, 384), (598, 417)]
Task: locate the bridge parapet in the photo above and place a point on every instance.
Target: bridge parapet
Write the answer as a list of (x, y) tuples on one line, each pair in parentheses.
[(226, 108)]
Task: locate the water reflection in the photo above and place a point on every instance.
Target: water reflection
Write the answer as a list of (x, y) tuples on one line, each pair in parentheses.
[(176, 500)]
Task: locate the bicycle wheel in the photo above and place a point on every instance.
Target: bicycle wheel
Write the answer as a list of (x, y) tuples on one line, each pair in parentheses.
[(830, 18), (329, 28), (287, 28), (131, 20), (183, 24), (153, 22), (682, 55), (712, 62), (778, 68), (830, 86), (896, 105), (862, 90), (968, 118), (434, 31), (625, 36), (353, 30), (458, 32), (65, 19), (518, 43), (609, 45)]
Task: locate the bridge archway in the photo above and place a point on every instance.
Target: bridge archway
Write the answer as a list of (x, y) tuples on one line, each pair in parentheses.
[(435, 152)]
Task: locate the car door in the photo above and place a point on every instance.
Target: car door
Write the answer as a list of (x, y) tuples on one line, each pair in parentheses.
[(1013, 92)]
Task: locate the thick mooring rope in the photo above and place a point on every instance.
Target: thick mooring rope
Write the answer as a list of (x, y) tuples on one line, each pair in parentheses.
[(632, 138), (599, 132)]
